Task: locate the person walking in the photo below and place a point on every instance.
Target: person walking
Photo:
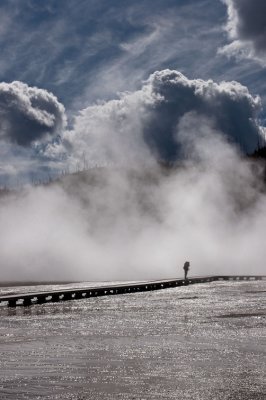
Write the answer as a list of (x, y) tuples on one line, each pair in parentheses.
[(186, 268)]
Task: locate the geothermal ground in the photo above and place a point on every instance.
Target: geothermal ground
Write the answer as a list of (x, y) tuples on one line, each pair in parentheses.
[(200, 342)]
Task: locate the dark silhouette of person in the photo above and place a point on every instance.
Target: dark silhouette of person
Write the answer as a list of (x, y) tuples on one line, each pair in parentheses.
[(186, 268)]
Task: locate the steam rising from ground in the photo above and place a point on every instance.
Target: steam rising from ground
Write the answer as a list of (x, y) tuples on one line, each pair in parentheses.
[(145, 121), (36, 143), (141, 222)]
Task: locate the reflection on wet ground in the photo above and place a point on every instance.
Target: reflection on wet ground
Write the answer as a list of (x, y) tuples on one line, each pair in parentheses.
[(200, 342)]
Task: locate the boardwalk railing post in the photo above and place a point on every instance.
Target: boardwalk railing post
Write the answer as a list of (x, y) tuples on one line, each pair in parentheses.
[(27, 302), (12, 303)]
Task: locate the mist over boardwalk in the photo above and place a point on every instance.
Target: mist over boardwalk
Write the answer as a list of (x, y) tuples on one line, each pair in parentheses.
[(196, 342)]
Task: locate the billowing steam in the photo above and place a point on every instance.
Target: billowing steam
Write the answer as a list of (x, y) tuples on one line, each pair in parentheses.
[(143, 122), (28, 114), (142, 222)]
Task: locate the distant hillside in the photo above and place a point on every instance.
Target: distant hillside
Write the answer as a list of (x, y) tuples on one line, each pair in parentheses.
[(150, 175), (260, 156), (260, 153), (100, 175)]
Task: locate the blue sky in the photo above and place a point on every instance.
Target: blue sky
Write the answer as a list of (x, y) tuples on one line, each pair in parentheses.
[(88, 51)]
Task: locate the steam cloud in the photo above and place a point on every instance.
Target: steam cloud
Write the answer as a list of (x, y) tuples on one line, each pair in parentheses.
[(141, 223), (28, 114), (247, 28), (145, 121), (137, 219)]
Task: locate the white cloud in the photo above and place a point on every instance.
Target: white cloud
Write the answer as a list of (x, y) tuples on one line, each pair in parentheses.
[(146, 121), (138, 127), (246, 27), (28, 114)]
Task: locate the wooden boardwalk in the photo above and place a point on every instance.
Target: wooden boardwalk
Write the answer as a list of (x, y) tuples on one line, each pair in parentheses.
[(31, 298)]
